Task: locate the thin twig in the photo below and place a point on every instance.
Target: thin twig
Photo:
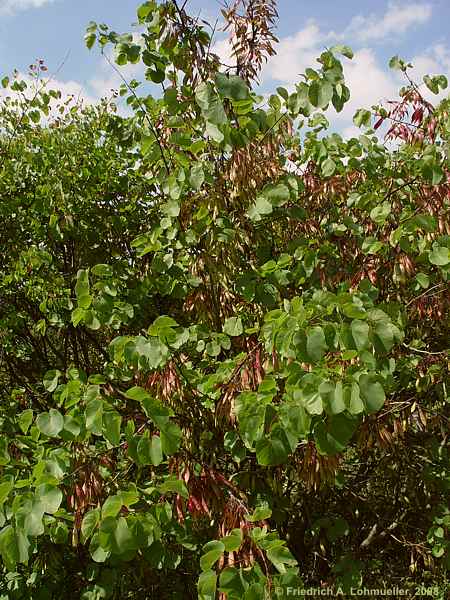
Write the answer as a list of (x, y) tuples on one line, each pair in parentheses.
[(152, 127), (424, 351), (427, 292)]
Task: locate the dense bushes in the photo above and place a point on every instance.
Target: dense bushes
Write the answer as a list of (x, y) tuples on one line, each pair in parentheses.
[(224, 331)]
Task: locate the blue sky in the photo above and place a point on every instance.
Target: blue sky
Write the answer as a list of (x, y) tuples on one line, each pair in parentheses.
[(376, 29)]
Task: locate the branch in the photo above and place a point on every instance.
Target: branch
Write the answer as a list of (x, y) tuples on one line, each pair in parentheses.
[(373, 532), (424, 351), (152, 127)]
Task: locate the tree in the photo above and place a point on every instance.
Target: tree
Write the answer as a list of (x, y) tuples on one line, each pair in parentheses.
[(224, 329)]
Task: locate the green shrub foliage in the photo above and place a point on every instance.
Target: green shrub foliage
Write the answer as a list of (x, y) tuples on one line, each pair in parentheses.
[(224, 329)]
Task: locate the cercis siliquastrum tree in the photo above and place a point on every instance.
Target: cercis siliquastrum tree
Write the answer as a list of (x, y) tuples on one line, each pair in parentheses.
[(224, 329)]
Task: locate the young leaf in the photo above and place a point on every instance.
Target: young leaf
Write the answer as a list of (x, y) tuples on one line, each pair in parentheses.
[(320, 93), (50, 423), (233, 327)]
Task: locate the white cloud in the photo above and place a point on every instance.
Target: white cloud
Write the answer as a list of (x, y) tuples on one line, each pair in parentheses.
[(295, 53), (298, 51), (224, 51), (72, 92), (109, 76), (442, 54), (433, 61), (398, 19), (369, 82), (9, 7)]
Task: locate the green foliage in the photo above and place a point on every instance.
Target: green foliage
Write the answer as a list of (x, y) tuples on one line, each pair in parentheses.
[(225, 347)]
